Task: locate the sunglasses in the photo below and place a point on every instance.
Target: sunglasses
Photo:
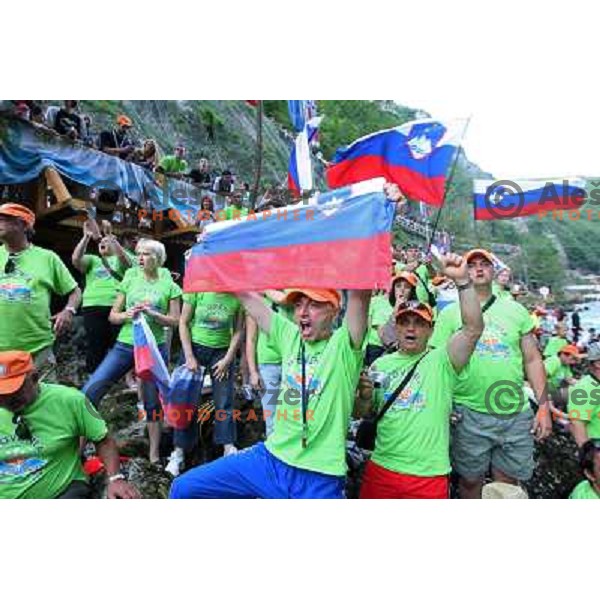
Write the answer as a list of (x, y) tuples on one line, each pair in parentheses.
[(10, 266), (22, 430), (414, 305)]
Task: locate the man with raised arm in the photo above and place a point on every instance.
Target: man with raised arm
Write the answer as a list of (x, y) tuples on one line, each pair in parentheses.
[(305, 455)]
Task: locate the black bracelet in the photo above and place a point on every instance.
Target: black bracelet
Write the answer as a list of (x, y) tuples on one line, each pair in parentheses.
[(464, 286)]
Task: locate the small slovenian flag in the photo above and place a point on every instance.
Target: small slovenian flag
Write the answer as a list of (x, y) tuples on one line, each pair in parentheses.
[(149, 363), (300, 167), (340, 240), (509, 199), (416, 156)]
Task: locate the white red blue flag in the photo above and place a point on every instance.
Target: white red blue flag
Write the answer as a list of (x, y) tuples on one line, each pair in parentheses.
[(417, 156)]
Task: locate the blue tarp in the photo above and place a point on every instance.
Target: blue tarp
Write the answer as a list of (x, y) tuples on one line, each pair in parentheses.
[(26, 150)]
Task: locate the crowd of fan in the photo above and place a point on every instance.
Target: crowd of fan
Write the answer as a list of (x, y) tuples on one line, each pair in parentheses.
[(118, 141), (403, 356)]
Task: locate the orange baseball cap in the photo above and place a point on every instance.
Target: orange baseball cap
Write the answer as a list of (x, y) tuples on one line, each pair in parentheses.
[(318, 295), (124, 120), (12, 209), (571, 349), (409, 277), (479, 252), (418, 308), (14, 366)]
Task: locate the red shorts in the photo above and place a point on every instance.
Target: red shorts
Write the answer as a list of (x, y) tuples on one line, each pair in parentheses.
[(378, 482)]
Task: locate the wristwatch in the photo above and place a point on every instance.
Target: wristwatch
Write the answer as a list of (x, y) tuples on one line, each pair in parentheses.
[(116, 477), (71, 309), (464, 286)]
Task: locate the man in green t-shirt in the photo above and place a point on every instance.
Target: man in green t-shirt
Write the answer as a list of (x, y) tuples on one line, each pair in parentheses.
[(174, 165), (584, 401), (559, 373), (494, 420), (29, 276), (235, 209), (40, 429), (589, 461), (412, 447), (305, 455)]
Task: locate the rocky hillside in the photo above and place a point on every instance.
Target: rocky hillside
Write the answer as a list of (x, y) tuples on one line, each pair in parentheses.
[(225, 132)]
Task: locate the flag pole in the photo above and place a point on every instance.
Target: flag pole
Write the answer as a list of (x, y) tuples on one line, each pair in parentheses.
[(447, 186), (259, 143)]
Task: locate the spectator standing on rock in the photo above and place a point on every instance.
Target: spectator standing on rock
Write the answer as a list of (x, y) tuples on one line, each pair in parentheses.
[(494, 421), (142, 291), (575, 325), (29, 275), (147, 156), (40, 428), (584, 401), (210, 329), (412, 447), (103, 274)]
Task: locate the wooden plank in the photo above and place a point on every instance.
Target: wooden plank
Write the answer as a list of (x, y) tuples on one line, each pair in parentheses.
[(189, 230), (64, 210)]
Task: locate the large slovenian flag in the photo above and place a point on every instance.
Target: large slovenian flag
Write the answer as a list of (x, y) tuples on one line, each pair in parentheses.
[(509, 199), (300, 167), (340, 240), (149, 363), (417, 156)]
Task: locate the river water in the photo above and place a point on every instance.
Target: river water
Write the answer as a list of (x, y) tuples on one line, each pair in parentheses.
[(591, 316)]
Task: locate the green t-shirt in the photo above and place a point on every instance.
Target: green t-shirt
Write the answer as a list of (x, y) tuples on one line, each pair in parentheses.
[(158, 293), (380, 310), (214, 318), (332, 373), (44, 466), (423, 284), (556, 371), (413, 437), (100, 285), (172, 164), (500, 292), (584, 404), (266, 352), (497, 356), (233, 212), (554, 345), (584, 491), (25, 296)]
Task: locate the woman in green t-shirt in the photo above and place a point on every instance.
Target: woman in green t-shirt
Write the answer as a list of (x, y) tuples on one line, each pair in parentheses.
[(149, 292), (210, 329), (103, 274)]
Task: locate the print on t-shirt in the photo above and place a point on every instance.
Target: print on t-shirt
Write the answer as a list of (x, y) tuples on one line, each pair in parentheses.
[(16, 287), (491, 344), (293, 381), (213, 316), (19, 459), (411, 397)]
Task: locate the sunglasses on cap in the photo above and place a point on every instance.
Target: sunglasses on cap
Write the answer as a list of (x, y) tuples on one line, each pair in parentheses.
[(413, 305), (22, 430)]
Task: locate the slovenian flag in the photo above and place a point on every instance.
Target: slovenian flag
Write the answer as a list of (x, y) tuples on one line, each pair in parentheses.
[(149, 363), (509, 199), (417, 156), (300, 167), (339, 240)]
